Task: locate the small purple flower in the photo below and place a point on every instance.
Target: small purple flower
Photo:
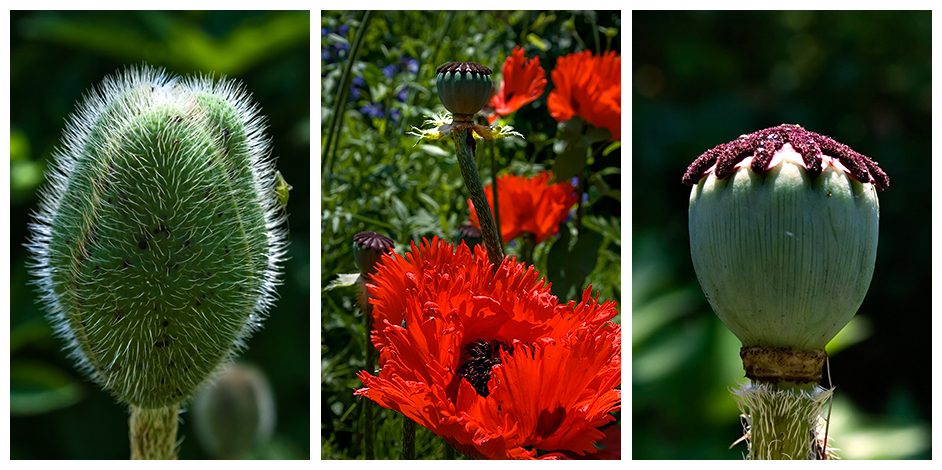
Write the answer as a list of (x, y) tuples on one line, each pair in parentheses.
[(585, 198), (325, 54), (402, 95), (395, 114), (325, 30), (409, 64), (359, 81), (342, 47), (389, 70), (342, 30), (354, 92), (373, 110)]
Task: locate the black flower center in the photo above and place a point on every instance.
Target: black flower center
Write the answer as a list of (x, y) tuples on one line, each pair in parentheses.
[(480, 357)]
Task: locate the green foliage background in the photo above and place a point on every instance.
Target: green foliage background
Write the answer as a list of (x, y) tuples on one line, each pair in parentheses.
[(377, 179), (55, 58), (704, 78)]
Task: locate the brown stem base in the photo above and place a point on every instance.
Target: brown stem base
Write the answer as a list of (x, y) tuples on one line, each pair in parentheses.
[(772, 365)]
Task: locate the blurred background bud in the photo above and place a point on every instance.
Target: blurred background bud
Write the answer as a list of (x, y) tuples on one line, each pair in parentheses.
[(236, 415)]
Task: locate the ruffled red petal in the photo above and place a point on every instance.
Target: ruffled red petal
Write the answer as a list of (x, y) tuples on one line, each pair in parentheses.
[(523, 81), (589, 87), (449, 297), (529, 205)]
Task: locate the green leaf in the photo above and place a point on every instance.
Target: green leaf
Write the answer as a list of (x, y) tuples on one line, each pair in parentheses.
[(378, 92), (27, 333), (428, 200), (538, 42), (573, 140), (435, 151), (570, 154), (568, 269), (37, 388), (611, 148)]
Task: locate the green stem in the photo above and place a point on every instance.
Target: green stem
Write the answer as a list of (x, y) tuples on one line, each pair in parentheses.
[(153, 433), (369, 427), (336, 121), (464, 147), (528, 244), (408, 438), (494, 170), (784, 420), (580, 188), (595, 30)]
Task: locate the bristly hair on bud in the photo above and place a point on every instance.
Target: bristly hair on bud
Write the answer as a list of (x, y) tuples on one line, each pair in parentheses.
[(159, 238)]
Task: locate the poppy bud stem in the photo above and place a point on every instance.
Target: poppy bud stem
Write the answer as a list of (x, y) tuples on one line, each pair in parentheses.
[(153, 433), (408, 438), (368, 248), (369, 427), (472, 181), (494, 170)]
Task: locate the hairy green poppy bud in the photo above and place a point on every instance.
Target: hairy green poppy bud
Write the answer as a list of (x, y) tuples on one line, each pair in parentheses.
[(783, 236), (159, 238), (464, 87)]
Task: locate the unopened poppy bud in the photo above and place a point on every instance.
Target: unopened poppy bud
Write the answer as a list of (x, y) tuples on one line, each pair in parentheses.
[(159, 239), (783, 236), (236, 414), (470, 235), (368, 248), (464, 87)]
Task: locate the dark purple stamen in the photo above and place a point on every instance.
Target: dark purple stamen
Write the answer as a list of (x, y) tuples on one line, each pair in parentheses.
[(761, 145)]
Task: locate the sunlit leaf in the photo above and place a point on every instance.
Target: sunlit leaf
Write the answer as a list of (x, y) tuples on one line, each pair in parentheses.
[(342, 280)]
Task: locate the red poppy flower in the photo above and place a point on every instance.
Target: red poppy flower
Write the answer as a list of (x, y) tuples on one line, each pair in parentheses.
[(522, 82), (491, 362), (529, 205), (588, 86)]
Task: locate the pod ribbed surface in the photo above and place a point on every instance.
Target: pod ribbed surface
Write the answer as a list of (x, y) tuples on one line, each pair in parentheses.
[(784, 260)]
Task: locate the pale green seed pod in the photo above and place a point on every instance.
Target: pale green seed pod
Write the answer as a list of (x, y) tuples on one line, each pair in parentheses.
[(159, 238), (785, 256)]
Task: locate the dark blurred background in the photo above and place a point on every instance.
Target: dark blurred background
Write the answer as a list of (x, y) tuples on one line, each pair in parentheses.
[(55, 58), (700, 79)]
